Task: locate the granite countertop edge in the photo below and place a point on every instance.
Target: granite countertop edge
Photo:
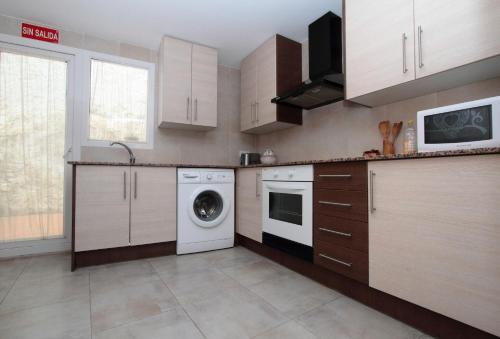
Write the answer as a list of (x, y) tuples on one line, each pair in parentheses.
[(424, 155)]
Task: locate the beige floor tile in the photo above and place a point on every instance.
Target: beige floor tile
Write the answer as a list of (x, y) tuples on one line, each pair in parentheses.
[(67, 320), (289, 330), (173, 324), (126, 273), (113, 307), (237, 313), (10, 269), (45, 291), (294, 294), (197, 286), (255, 272), (173, 265), (346, 318), (232, 257), (53, 266)]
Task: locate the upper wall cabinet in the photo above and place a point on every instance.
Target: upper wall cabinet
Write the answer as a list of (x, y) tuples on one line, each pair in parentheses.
[(188, 85), (379, 53), (451, 33), (271, 70), (397, 49)]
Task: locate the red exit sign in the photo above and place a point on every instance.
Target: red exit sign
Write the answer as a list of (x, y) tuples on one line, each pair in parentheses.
[(39, 33)]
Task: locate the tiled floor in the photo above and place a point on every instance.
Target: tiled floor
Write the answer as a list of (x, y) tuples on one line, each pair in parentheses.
[(231, 293)]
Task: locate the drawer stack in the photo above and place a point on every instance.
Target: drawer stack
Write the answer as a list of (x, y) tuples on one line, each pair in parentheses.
[(341, 218)]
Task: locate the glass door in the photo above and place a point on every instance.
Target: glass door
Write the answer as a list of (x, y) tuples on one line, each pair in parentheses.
[(35, 136), (286, 207)]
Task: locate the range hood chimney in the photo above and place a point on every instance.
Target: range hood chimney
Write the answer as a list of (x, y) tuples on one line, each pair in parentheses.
[(326, 83)]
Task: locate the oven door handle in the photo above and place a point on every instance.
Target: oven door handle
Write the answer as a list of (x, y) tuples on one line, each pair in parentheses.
[(286, 188)]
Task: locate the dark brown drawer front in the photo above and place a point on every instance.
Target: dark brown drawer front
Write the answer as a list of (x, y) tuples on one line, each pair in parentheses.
[(351, 263), (347, 233), (341, 176), (344, 204)]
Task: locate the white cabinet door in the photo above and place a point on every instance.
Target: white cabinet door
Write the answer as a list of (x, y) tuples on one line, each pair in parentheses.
[(248, 71), (153, 205), (248, 203), (102, 199), (455, 33), (434, 237), (175, 80), (266, 82), (204, 86), (379, 45)]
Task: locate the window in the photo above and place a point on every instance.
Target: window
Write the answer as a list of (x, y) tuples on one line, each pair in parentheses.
[(120, 102)]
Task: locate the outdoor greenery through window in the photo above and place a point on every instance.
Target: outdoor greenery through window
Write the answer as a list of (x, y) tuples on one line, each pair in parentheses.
[(118, 102)]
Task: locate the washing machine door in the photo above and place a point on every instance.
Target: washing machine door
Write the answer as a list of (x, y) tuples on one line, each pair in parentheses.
[(208, 207)]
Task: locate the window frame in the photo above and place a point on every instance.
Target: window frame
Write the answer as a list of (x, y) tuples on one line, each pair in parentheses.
[(88, 56)]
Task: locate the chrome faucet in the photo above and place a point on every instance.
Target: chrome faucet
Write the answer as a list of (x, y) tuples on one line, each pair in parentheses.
[(130, 153)]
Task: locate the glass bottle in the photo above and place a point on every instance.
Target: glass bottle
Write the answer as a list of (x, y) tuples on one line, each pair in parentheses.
[(410, 139)]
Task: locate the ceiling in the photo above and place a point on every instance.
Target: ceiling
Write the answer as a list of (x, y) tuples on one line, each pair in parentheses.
[(234, 27)]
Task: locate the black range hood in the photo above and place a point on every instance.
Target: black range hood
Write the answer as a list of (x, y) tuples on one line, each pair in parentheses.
[(325, 67)]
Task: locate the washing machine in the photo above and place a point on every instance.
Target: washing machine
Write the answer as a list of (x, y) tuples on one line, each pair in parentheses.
[(205, 209)]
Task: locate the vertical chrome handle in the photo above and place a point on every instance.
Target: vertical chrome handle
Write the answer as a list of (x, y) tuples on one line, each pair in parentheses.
[(253, 113), (187, 108), (405, 69), (372, 208), (135, 185), (256, 112), (124, 185), (196, 109), (420, 59), (257, 176)]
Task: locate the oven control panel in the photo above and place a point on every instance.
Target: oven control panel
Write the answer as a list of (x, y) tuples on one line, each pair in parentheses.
[(288, 173)]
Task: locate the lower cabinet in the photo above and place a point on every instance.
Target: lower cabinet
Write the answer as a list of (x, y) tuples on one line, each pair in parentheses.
[(340, 218), (117, 206), (153, 205), (249, 203), (434, 235)]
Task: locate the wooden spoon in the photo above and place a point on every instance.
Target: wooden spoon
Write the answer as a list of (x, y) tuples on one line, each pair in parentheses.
[(384, 128), (396, 129)]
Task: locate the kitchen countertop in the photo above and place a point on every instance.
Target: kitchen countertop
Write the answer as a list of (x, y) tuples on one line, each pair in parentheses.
[(144, 164), (439, 154)]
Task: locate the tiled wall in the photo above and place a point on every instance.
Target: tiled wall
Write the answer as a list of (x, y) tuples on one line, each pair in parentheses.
[(347, 129), (218, 147)]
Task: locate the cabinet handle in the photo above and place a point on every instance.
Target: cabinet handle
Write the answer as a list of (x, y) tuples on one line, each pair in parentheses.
[(335, 175), (257, 112), (187, 108), (257, 176), (336, 232), (420, 58), (135, 185), (348, 264), (124, 185), (405, 69), (372, 176), (196, 109), (252, 113), (334, 203)]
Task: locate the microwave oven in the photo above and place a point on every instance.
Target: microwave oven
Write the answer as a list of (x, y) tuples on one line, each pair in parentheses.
[(473, 124)]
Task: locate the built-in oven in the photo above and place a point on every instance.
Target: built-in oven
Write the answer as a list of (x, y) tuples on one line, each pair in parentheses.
[(287, 209)]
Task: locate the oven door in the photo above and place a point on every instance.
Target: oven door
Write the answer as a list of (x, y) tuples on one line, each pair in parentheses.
[(287, 210)]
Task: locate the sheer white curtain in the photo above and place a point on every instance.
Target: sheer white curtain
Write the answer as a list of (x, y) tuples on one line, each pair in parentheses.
[(32, 137), (118, 102)]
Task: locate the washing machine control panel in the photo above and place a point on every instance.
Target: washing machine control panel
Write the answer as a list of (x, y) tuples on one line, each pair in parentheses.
[(217, 177)]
